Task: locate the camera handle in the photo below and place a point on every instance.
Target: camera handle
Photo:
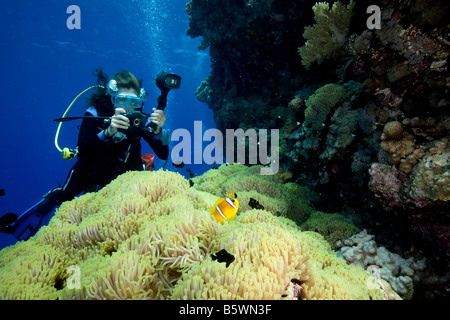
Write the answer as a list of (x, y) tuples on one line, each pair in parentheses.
[(162, 103)]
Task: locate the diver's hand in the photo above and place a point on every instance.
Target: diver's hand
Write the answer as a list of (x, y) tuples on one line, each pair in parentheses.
[(118, 121), (158, 117)]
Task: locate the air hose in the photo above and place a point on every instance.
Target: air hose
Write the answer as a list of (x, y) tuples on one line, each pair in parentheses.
[(66, 153)]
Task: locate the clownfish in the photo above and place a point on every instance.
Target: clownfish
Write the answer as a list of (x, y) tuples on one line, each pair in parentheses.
[(225, 208)]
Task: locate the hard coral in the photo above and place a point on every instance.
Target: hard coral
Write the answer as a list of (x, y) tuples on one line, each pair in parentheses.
[(404, 63), (428, 128), (392, 131), (413, 44), (426, 184), (327, 36), (362, 250), (399, 145), (147, 235), (430, 178)]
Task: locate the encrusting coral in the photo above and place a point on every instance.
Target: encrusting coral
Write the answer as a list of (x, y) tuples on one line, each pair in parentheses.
[(148, 235), (327, 36)]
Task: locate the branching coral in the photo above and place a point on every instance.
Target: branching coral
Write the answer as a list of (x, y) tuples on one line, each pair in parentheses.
[(162, 250), (327, 36)]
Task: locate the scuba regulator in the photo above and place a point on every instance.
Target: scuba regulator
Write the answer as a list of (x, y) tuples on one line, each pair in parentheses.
[(164, 81)]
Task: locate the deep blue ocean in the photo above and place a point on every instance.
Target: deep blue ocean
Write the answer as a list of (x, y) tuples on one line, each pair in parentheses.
[(45, 66)]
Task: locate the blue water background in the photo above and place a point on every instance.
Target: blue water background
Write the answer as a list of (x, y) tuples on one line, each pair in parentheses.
[(45, 65)]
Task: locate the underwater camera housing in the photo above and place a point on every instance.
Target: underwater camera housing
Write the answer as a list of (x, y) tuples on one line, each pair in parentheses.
[(165, 80), (137, 123)]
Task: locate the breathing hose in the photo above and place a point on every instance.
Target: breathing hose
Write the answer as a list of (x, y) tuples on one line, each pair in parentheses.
[(66, 153)]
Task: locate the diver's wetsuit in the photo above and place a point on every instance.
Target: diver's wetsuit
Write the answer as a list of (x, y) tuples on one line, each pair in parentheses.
[(100, 160)]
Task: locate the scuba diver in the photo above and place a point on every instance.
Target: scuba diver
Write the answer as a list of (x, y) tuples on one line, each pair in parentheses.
[(109, 144)]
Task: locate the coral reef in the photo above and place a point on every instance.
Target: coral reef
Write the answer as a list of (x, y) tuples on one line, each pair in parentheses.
[(422, 179), (329, 133), (380, 151), (401, 274), (319, 113), (328, 34), (147, 235), (361, 250)]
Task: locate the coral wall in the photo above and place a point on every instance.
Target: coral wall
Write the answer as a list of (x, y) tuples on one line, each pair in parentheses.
[(379, 152)]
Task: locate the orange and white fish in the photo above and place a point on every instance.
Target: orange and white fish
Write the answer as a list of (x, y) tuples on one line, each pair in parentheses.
[(225, 208)]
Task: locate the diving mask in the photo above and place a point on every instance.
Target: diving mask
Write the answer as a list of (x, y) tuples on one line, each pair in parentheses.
[(127, 102), (112, 89)]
